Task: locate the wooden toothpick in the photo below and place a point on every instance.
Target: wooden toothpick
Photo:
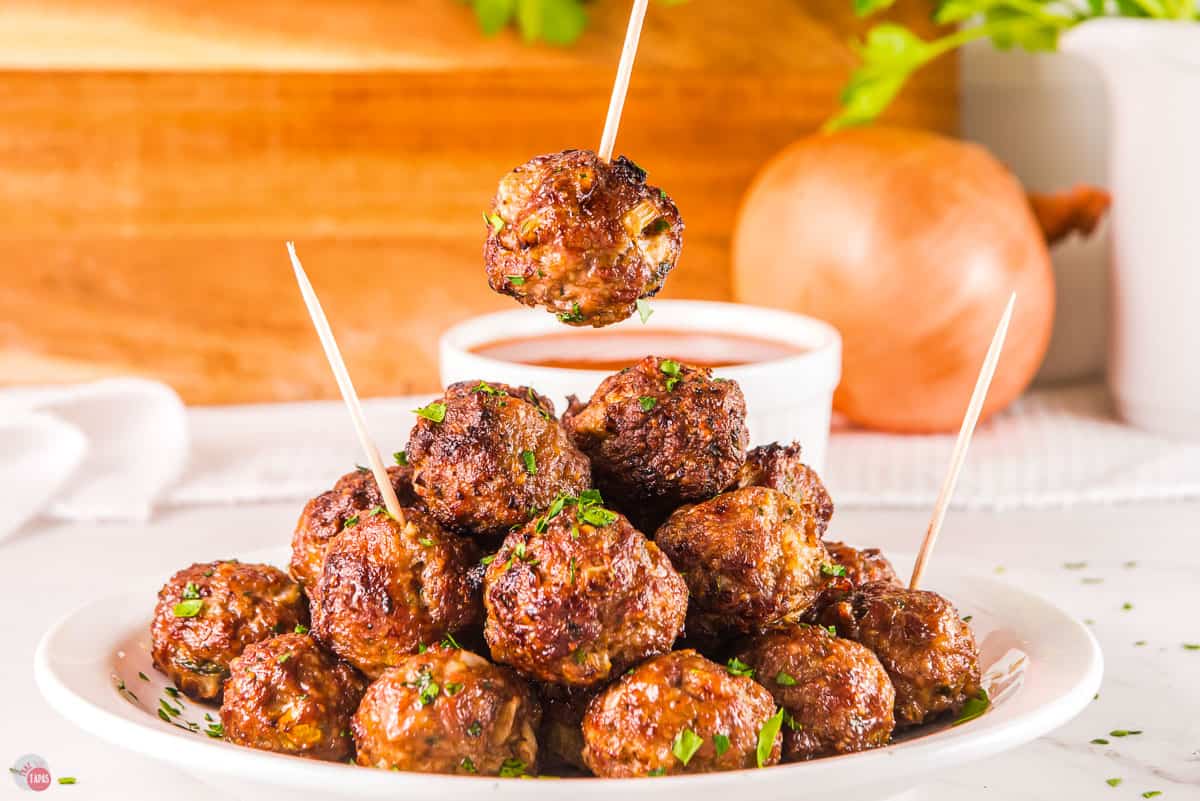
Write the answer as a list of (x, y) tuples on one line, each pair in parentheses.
[(334, 355), (964, 441), (624, 68)]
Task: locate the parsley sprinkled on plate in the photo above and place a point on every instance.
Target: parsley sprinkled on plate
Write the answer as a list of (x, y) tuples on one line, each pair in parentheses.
[(1114, 782)]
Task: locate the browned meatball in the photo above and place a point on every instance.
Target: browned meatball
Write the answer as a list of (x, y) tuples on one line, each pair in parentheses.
[(325, 515), (838, 697), (661, 434), (285, 694), (448, 711), (680, 713), (578, 595), (388, 589), (483, 459), (752, 561), (208, 613), (779, 467), (561, 735), (926, 648), (583, 237), (861, 566)]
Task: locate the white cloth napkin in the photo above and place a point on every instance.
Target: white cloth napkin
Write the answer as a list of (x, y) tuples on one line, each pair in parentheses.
[(101, 451)]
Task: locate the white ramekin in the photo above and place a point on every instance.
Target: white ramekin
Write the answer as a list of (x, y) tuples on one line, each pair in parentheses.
[(786, 399)]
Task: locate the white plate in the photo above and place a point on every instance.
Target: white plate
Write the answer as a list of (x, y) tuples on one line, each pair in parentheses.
[(1043, 668)]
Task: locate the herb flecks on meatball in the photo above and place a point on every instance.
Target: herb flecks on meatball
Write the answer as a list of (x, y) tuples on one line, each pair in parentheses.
[(660, 434), (486, 455), (577, 595), (388, 589), (448, 711), (287, 695), (780, 467), (928, 651), (209, 612), (752, 560), (582, 237), (326, 515), (838, 697), (860, 565), (681, 713)]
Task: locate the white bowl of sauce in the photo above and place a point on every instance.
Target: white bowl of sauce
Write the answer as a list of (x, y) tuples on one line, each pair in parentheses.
[(788, 365)]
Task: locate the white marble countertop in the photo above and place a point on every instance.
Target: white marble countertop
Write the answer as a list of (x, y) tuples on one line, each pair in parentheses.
[(1145, 555)]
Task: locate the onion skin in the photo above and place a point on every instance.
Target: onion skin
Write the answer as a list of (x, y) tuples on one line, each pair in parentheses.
[(909, 243)]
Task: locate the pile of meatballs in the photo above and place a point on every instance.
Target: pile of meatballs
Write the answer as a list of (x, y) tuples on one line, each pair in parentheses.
[(625, 591)]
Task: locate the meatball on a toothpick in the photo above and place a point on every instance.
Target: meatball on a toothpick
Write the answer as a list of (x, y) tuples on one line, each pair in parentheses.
[(581, 236), (485, 456)]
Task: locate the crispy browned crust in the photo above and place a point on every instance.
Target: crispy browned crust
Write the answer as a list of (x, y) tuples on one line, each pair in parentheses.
[(687, 447), (470, 470), (287, 695), (569, 242), (324, 516), (583, 603), (629, 729), (863, 565), (839, 697), (479, 716), (241, 604), (927, 649), (780, 467), (388, 589), (751, 558)]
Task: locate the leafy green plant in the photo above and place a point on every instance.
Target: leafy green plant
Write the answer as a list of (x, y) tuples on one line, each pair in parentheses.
[(891, 53), (558, 22)]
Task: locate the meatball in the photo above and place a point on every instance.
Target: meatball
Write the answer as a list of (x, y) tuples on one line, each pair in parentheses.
[(582, 237), (561, 735), (680, 713), (752, 561), (923, 644), (325, 515), (448, 711), (861, 566), (779, 467), (208, 613), (578, 595), (485, 456), (661, 434), (838, 697), (285, 694), (388, 589)]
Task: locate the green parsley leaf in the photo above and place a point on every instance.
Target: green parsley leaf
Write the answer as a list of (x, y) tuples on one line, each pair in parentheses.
[(1147, 794), (171, 691), (659, 771), (1124, 732), (974, 707), (428, 543), (1099, 741), (72, 780), (643, 309), (785, 679), (672, 382), (300, 629), (494, 221), (191, 591), (215, 730), (831, 630), (865, 8), (1112, 782), (590, 497), (598, 517), (434, 412), (573, 316), (832, 570), (1191, 646), (968, 618), (530, 460), (516, 280), (361, 468), (647, 403), (143, 676), (401, 458), (512, 769), (283, 658), (766, 738), (468, 765), (1126, 606), (720, 743), (351, 522), (452, 688), (669, 367), (737, 667), (475, 729), (378, 510), (427, 690), (685, 745), (187, 608), (449, 642), (487, 560)]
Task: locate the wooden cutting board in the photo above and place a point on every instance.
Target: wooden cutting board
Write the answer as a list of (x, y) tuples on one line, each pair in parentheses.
[(155, 154)]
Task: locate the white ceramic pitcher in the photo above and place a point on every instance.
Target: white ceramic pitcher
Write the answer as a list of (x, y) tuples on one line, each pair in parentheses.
[(1152, 73)]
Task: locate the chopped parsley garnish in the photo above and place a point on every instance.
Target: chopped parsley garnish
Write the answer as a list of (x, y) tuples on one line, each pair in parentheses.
[(376, 511), (495, 221), (1140, 642), (428, 543), (300, 629), (449, 642), (143, 676), (831, 630), (1127, 606), (427, 690), (785, 679), (468, 765), (452, 688), (189, 608), (351, 522), (968, 618), (587, 506), (1191, 646), (573, 316), (598, 516), (1147, 794), (215, 731), (737, 667), (669, 366), (422, 648), (401, 458), (791, 722), (659, 771), (171, 691), (974, 707), (828, 569), (685, 745), (647, 403), (643, 309), (515, 280), (1099, 741), (657, 227), (530, 460), (512, 769), (475, 729), (1075, 565), (1124, 732), (580, 656), (434, 412), (487, 389), (766, 738), (487, 560), (72, 780), (720, 743), (191, 591), (1112, 782), (284, 657)]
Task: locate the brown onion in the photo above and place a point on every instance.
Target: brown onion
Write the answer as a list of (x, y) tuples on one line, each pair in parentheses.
[(909, 243)]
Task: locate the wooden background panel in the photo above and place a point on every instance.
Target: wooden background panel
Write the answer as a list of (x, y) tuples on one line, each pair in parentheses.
[(143, 210)]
